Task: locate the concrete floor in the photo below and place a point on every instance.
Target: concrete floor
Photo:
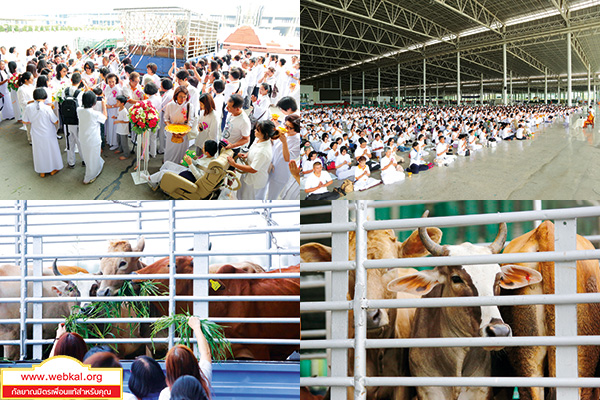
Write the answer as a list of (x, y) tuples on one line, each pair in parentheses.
[(559, 163), (20, 181)]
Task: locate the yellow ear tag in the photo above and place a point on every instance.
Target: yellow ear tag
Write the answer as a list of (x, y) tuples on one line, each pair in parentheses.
[(214, 284)]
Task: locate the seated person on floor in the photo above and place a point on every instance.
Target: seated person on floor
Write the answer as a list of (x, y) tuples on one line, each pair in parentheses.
[(362, 175), (317, 182)]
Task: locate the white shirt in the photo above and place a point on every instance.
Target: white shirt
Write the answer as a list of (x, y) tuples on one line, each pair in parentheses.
[(259, 158), (312, 181), (261, 108), (122, 115), (236, 127)]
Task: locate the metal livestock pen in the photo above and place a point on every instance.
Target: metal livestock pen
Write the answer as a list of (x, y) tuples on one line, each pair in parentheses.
[(43, 231), (336, 304)]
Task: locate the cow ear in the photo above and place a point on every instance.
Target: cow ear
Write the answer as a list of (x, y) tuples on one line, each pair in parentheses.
[(413, 247), (516, 276), (418, 284), (315, 252), (58, 291)]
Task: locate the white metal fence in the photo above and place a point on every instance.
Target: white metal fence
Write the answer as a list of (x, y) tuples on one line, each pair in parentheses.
[(336, 305), (179, 224)]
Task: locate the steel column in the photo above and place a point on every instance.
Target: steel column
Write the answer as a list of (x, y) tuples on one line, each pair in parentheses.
[(481, 91), (336, 290), (360, 313), (350, 88), (569, 71), (201, 263), (589, 87), (437, 91), (504, 101), (458, 78), (510, 97), (546, 86), (424, 82), (566, 315), (378, 85), (398, 85), (363, 87)]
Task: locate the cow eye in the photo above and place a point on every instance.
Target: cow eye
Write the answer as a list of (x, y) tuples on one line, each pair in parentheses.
[(122, 264), (456, 279)]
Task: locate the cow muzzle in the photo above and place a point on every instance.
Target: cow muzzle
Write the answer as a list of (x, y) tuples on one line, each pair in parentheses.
[(376, 318), (496, 328)]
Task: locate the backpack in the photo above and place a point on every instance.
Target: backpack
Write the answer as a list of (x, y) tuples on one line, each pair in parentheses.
[(68, 108)]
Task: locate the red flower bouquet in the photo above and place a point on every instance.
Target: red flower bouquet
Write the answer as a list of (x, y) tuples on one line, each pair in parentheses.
[(143, 117), (13, 82)]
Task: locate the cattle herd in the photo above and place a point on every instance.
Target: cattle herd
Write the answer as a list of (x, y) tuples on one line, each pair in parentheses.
[(483, 321), (67, 286)]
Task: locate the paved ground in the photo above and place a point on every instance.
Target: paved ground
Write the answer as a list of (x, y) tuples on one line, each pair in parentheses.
[(559, 163), (20, 181)]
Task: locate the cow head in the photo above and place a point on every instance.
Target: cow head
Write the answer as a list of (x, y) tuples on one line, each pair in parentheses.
[(381, 244), (86, 288), (468, 280), (119, 265)]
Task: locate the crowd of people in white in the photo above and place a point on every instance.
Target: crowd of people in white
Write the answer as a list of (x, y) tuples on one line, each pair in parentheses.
[(349, 143), (244, 102)]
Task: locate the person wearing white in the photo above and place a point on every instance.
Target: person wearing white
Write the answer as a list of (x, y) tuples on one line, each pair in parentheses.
[(133, 90), (111, 92), (204, 364), (89, 136), (209, 126), (177, 112), (46, 152), (193, 98), (285, 149), (441, 151), (377, 146), (195, 166), (25, 95), (167, 97), (121, 121), (89, 77), (154, 98), (391, 172), (72, 131), (7, 111), (342, 165), (257, 164), (261, 104), (237, 127), (362, 175)]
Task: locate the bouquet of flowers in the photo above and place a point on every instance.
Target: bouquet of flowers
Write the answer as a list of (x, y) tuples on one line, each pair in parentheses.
[(13, 82), (60, 94), (143, 117)]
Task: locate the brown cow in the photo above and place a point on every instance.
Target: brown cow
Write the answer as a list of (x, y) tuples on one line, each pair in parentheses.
[(119, 265), (382, 323), (258, 309), (538, 320), (237, 287)]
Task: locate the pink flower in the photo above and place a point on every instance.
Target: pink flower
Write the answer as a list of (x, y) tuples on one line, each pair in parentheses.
[(114, 93)]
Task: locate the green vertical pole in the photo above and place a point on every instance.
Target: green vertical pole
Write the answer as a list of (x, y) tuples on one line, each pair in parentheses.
[(490, 206), (471, 232)]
